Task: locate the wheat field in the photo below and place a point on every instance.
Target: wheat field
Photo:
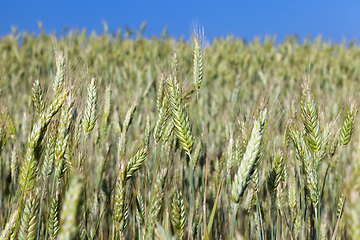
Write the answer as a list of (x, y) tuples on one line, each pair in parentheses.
[(117, 136)]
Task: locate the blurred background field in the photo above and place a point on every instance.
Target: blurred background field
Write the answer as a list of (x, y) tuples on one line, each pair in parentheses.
[(240, 81)]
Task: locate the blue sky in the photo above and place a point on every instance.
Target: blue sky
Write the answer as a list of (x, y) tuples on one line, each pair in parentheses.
[(245, 19)]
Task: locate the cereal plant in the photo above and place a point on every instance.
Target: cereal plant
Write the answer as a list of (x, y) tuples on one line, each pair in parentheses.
[(123, 137)]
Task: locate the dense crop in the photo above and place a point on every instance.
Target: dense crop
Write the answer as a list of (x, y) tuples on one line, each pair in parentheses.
[(111, 137)]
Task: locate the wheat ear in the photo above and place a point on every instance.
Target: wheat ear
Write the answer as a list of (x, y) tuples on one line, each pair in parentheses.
[(179, 114), (311, 123), (37, 97), (89, 117), (156, 204), (120, 204), (63, 138), (49, 158), (178, 215), (60, 72), (198, 58), (249, 161), (276, 172), (53, 220), (8, 231), (28, 228), (106, 113), (348, 126), (28, 169), (136, 162), (69, 220), (161, 120)]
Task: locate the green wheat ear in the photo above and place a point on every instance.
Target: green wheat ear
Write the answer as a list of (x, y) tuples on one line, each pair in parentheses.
[(198, 57), (179, 114), (37, 97), (311, 123), (348, 126), (178, 215), (29, 223), (250, 158), (27, 176), (276, 172), (89, 118), (106, 113), (71, 210), (136, 162), (60, 72), (120, 209), (8, 230)]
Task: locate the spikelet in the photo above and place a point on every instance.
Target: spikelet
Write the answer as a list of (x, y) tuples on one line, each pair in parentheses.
[(60, 72), (89, 117), (179, 114), (249, 161), (348, 126), (69, 220)]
